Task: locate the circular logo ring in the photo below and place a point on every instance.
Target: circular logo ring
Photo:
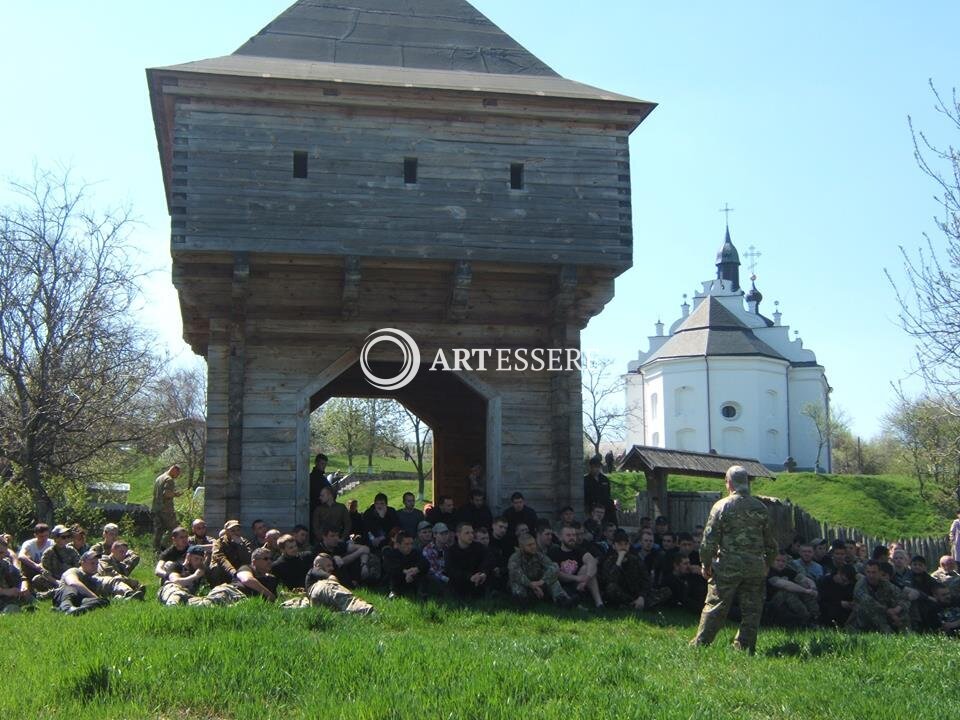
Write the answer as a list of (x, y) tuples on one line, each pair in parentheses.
[(409, 366)]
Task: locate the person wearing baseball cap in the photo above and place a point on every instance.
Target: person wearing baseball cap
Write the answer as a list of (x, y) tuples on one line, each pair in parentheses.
[(57, 559)]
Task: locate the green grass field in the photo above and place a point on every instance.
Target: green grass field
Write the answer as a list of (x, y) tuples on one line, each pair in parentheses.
[(880, 505), (429, 660), (394, 489)]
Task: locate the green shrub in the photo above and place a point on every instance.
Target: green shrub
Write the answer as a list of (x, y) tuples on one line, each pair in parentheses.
[(16, 508)]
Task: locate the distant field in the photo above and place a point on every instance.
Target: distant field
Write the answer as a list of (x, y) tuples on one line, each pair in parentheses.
[(389, 464), (881, 505), (394, 489)]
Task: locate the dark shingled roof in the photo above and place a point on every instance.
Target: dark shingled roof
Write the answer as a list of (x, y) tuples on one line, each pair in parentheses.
[(427, 34), (712, 330), (680, 462)]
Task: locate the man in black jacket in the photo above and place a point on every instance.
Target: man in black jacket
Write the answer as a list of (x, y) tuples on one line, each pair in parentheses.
[(468, 564), (405, 567)]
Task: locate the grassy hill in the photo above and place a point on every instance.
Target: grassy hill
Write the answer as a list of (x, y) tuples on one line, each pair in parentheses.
[(881, 505), (394, 489)]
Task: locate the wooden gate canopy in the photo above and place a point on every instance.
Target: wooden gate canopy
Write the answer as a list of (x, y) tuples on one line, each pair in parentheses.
[(649, 460), (657, 463)]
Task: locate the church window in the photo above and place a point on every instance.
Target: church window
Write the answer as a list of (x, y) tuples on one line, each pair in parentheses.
[(772, 449), (410, 171), (730, 411), (299, 164), (686, 439), (771, 403), (732, 441), (654, 402), (516, 176), (655, 441), (683, 397)]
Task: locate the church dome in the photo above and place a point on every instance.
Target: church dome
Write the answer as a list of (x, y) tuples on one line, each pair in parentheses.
[(728, 253), (754, 295)]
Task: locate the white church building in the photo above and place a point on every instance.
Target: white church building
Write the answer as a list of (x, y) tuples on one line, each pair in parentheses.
[(727, 379)]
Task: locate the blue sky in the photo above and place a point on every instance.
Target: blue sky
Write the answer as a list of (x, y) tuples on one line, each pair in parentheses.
[(794, 115)]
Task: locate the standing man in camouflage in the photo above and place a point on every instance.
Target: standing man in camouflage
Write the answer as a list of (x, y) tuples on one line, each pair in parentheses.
[(737, 550), (163, 512)]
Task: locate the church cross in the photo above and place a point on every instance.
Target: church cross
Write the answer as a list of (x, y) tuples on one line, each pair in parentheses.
[(752, 254), (726, 209)]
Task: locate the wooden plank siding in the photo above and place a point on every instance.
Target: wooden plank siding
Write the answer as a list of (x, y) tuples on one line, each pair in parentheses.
[(235, 188)]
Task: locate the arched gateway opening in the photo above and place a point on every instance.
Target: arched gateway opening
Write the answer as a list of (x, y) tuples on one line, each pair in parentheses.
[(462, 411)]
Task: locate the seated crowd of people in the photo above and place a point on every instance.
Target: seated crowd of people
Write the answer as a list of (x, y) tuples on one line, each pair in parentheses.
[(468, 553)]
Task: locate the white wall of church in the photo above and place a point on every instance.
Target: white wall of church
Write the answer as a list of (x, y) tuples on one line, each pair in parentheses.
[(807, 385), (670, 409)]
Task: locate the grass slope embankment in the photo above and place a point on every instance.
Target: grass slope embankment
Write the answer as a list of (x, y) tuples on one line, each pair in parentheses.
[(394, 490), (887, 506)]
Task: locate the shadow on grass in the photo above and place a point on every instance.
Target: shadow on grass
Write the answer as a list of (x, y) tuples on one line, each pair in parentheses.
[(817, 646)]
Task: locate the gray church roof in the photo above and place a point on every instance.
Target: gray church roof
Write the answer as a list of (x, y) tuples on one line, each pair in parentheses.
[(429, 34), (712, 330)]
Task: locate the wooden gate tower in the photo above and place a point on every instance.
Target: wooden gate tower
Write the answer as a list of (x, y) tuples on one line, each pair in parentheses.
[(363, 164)]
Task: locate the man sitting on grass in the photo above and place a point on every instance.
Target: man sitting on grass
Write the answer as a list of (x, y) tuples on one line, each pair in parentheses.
[(80, 589), (350, 559), (436, 556), (173, 555), (409, 516), (323, 589), (255, 579), (31, 552), (230, 552), (405, 567), (14, 588), (292, 565), (578, 568), (114, 571), (687, 587), (58, 558), (378, 520), (468, 565), (331, 514), (199, 537), (836, 596), (624, 582), (945, 573), (184, 582), (791, 595), (878, 605), (110, 533), (533, 575)]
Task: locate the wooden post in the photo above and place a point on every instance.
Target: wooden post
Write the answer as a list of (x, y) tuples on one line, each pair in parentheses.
[(235, 389)]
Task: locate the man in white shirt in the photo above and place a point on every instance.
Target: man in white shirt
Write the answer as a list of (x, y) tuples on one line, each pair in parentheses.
[(32, 551)]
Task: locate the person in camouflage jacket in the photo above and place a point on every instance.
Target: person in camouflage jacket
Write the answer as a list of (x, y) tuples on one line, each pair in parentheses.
[(738, 548)]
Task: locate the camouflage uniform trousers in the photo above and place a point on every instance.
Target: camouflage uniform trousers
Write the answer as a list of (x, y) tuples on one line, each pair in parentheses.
[(864, 619), (163, 523), (224, 594), (330, 593), (173, 594), (554, 591), (793, 609), (721, 592)]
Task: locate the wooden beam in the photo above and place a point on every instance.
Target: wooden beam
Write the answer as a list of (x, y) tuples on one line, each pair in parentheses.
[(460, 290), (349, 299), (235, 389), (565, 294)]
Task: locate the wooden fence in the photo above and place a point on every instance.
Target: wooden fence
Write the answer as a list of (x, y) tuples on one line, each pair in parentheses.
[(687, 509)]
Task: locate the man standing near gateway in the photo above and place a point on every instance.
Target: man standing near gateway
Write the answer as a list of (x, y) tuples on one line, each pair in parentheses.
[(163, 512), (737, 550)]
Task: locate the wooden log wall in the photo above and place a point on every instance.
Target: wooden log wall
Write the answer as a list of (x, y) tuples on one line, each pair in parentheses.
[(234, 189)]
